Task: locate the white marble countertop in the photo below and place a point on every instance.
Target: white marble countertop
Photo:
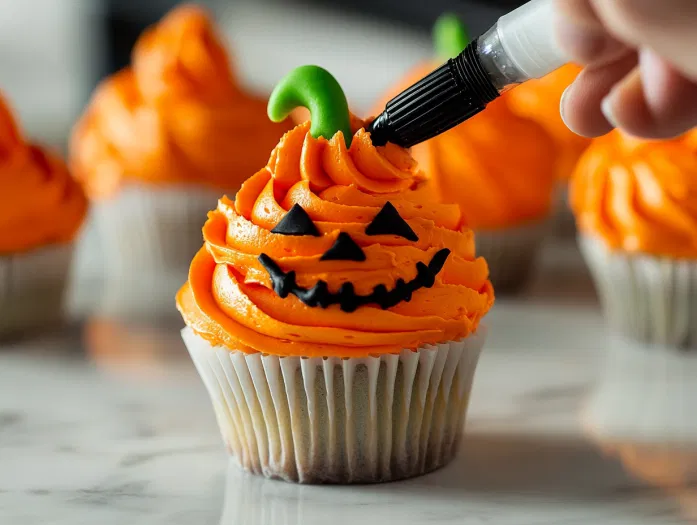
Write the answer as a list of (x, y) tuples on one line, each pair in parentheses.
[(110, 424)]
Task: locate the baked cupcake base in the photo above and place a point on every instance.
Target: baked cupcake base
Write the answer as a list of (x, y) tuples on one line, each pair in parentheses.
[(511, 253), (358, 420), (32, 288), (149, 236), (649, 299)]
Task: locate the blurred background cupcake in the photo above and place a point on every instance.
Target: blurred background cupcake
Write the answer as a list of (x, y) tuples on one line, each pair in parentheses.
[(636, 207), (157, 144), (334, 310), (498, 166), (42, 210), (539, 100)]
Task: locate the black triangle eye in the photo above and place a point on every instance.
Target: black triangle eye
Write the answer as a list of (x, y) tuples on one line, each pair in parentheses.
[(296, 222), (389, 222), (344, 249)]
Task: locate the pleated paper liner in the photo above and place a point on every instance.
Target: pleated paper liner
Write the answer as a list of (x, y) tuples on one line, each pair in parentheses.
[(32, 288), (357, 420), (511, 254), (149, 236), (646, 298)]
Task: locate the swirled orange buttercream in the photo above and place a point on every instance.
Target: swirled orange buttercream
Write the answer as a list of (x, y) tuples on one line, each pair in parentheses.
[(639, 196), (690, 139), (539, 100), (41, 203), (175, 116), (229, 298), (497, 166)]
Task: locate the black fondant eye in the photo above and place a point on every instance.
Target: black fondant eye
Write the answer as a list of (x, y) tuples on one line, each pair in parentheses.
[(296, 222), (389, 222), (344, 249)]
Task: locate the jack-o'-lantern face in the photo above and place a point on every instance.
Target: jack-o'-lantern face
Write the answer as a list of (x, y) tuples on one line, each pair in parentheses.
[(387, 222)]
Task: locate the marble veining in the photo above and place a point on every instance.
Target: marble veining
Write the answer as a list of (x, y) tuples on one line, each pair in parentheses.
[(90, 440), (109, 423)]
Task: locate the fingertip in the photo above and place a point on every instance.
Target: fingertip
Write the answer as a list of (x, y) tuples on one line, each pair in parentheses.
[(563, 110), (581, 103), (607, 109)]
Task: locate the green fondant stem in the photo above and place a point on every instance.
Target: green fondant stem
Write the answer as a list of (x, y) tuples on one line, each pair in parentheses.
[(449, 37), (317, 90)]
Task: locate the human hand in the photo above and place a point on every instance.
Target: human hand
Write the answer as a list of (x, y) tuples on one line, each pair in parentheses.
[(641, 66)]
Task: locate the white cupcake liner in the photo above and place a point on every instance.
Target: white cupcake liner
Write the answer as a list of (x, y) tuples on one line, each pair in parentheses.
[(649, 299), (511, 253), (149, 236), (357, 420), (32, 287)]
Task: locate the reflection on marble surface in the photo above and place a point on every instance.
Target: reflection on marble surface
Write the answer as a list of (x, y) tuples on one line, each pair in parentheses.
[(642, 413), (644, 394), (131, 348), (514, 479)]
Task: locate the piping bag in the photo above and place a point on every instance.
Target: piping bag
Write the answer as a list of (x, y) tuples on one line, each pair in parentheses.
[(519, 47)]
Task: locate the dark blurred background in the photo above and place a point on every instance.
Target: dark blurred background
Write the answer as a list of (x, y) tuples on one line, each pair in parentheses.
[(54, 52), (125, 19)]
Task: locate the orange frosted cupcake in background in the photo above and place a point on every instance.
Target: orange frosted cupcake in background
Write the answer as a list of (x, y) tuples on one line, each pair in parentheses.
[(690, 139), (499, 167), (334, 310), (41, 210), (635, 203), (539, 100), (155, 147)]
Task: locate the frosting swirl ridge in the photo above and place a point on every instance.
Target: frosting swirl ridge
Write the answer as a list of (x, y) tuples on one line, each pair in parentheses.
[(639, 196), (230, 298), (41, 203)]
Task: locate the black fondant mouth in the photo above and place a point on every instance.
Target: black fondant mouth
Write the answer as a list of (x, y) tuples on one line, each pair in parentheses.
[(319, 295)]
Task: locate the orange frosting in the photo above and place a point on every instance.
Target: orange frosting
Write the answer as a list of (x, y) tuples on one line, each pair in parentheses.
[(639, 196), (498, 166), (229, 299), (539, 100), (690, 139), (175, 116), (41, 203)]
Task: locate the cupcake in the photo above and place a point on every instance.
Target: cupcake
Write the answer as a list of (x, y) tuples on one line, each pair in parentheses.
[(334, 309), (636, 209), (499, 167), (42, 210), (156, 146)]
